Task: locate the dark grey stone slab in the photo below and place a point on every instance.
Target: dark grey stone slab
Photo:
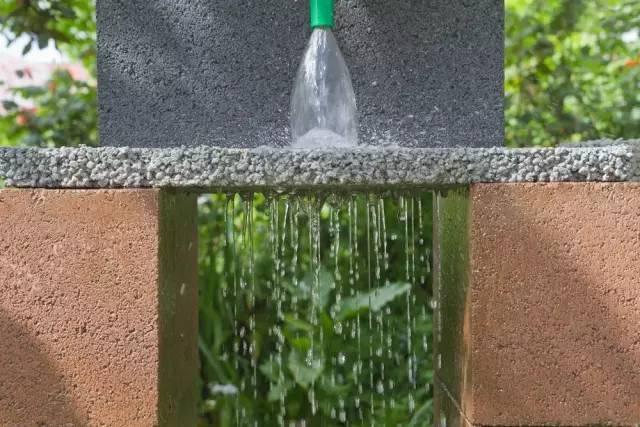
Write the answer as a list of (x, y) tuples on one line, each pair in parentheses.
[(219, 72)]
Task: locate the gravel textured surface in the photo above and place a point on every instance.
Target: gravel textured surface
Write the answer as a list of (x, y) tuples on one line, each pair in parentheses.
[(210, 168)]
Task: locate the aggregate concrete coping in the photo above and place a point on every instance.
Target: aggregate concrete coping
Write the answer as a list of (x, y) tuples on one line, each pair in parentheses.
[(216, 169)]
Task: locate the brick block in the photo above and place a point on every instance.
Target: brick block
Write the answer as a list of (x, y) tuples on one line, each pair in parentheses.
[(538, 319), (98, 314)]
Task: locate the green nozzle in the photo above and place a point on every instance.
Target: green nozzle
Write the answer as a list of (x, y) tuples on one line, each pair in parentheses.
[(321, 13)]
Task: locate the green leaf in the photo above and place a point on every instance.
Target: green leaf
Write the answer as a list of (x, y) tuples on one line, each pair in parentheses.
[(270, 370), (27, 48), (305, 372), (43, 41), (373, 300), (204, 349), (423, 415), (335, 389), (277, 389), (299, 343), (305, 286), (31, 91), (297, 324), (9, 105), (66, 11)]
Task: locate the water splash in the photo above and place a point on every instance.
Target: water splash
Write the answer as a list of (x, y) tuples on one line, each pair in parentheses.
[(300, 273)]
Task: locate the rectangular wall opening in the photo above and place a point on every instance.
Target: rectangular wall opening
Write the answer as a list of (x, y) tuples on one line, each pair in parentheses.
[(316, 309)]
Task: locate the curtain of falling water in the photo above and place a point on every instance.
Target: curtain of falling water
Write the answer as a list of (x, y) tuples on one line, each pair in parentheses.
[(329, 318)]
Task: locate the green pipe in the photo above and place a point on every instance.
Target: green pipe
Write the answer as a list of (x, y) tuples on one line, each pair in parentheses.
[(321, 13)]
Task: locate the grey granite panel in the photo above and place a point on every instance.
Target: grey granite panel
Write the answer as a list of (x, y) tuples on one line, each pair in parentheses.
[(219, 72), (212, 168)]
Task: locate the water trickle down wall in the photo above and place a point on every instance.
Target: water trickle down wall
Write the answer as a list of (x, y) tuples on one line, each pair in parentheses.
[(321, 304)]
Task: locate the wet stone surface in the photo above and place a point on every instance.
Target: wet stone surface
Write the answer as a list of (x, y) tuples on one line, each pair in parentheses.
[(211, 168)]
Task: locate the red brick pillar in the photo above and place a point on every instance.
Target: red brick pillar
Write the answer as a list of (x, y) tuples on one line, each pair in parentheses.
[(98, 308), (538, 317)]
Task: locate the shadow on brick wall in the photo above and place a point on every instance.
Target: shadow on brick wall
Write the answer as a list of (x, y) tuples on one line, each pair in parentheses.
[(32, 390), (565, 324)]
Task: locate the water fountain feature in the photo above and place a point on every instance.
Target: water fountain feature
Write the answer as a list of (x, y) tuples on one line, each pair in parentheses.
[(319, 264)]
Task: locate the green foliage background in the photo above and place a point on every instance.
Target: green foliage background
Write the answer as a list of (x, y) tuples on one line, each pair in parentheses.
[(569, 76), (226, 308), (65, 111)]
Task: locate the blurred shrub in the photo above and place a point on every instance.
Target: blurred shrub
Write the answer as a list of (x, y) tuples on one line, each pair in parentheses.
[(65, 114), (572, 70), (64, 110)]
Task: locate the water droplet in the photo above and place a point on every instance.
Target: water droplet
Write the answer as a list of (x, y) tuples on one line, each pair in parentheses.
[(338, 328), (364, 352), (342, 358)]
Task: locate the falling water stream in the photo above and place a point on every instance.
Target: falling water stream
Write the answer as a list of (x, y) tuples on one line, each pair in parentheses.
[(328, 315)]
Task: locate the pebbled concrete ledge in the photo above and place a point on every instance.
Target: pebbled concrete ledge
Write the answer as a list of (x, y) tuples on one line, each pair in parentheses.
[(212, 168)]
